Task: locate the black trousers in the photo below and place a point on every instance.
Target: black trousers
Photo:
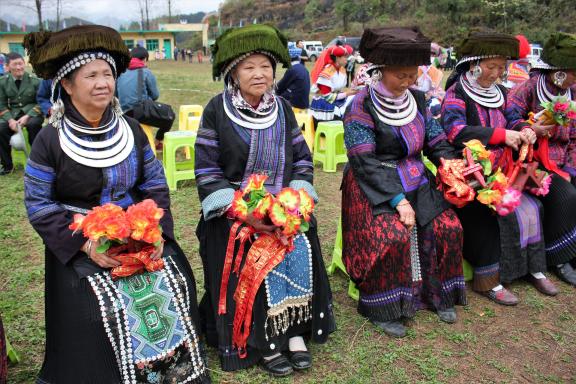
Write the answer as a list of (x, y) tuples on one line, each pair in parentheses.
[(33, 126)]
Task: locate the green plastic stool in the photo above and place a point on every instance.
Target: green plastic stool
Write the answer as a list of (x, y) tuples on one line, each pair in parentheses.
[(468, 270), (181, 170), (21, 157), (334, 151), (338, 264)]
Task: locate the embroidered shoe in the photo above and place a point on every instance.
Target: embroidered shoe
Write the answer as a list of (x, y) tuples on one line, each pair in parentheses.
[(447, 315), (392, 328), (544, 286), (567, 273), (502, 297)]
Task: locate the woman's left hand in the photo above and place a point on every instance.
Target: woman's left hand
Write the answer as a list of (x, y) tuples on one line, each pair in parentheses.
[(530, 135), (158, 251)]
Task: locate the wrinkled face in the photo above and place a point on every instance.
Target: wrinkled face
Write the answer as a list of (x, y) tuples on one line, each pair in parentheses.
[(570, 81), (341, 60), (254, 75), (492, 70), (92, 86), (398, 79), (16, 67)]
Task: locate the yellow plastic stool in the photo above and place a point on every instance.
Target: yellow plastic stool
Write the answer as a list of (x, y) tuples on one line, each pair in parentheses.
[(334, 151), (193, 126), (307, 122), (19, 156), (182, 170), (148, 131), (185, 111), (298, 110), (337, 263)]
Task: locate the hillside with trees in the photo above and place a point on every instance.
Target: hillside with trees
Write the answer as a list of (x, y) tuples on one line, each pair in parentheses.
[(446, 21)]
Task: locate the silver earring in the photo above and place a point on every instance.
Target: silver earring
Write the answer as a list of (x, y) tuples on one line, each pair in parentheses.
[(477, 72), (504, 76), (116, 106), (559, 78), (376, 76), (56, 113), (274, 87)]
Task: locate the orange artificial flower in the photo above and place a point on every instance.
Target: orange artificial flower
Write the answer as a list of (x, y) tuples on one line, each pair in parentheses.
[(263, 207), (290, 199), (478, 149), (255, 183), (489, 197), (239, 206), (306, 204)]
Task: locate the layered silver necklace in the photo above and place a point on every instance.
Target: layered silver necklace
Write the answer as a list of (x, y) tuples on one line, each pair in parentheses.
[(544, 95), (395, 112), (490, 97), (246, 121), (98, 153)]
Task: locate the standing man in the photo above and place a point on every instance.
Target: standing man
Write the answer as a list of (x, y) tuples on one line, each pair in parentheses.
[(304, 55), (18, 106), (175, 53), (295, 85)]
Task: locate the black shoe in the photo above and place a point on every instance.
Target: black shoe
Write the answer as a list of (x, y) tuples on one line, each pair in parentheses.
[(447, 315), (300, 360), (392, 328), (4, 172), (567, 273), (278, 366)]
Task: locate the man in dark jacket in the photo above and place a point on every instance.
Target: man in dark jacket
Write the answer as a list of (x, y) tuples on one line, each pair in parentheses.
[(18, 107), (295, 85)]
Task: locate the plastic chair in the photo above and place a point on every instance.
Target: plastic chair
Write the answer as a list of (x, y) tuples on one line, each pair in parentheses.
[(468, 270), (19, 156), (182, 170), (334, 151), (307, 122), (337, 263), (185, 111), (148, 131)]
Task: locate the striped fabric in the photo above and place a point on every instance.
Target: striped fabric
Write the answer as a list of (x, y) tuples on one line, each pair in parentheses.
[(39, 180)]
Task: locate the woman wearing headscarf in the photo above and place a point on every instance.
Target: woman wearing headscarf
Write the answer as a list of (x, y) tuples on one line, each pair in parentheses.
[(556, 147), (500, 248), (329, 79), (136, 329), (402, 244), (248, 130)]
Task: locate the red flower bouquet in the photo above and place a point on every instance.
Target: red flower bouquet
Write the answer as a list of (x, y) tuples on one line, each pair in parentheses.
[(128, 236), (463, 180), (559, 111)]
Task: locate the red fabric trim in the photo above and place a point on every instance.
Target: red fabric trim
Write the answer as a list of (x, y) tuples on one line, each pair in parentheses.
[(543, 156), (498, 137), (324, 89)]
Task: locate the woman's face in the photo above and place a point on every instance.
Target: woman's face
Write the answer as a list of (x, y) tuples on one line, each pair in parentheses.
[(570, 81), (91, 87), (341, 61), (398, 79), (492, 70), (254, 75)]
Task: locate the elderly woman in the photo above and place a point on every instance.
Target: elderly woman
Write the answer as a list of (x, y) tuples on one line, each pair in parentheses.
[(500, 248), (402, 244), (140, 328), (556, 149), (248, 130), (329, 79)]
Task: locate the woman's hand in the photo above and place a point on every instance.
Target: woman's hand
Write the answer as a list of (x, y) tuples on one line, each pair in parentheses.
[(158, 251), (259, 225), (515, 139), (530, 135), (101, 259), (542, 129), (351, 92), (407, 214)]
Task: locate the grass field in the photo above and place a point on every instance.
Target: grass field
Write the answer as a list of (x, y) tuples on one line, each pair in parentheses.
[(534, 342)]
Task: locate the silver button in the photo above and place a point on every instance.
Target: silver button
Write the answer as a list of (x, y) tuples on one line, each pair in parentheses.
[(319, 332), (321, 315), (272, 346)]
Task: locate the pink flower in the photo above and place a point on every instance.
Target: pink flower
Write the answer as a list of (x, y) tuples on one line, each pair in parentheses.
[(561, 107), (571, 115), (510, 201), (544, 189)]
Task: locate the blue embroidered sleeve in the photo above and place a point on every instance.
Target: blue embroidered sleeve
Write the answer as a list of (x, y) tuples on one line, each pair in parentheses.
[(47, 216)]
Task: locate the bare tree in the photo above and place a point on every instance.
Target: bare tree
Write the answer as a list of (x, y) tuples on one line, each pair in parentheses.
[(34, 5), (170, 10)]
